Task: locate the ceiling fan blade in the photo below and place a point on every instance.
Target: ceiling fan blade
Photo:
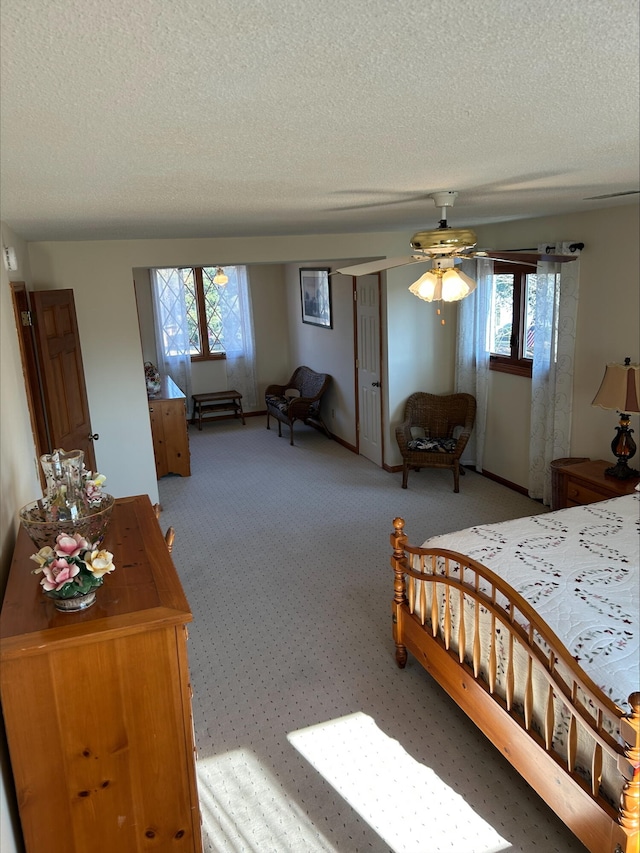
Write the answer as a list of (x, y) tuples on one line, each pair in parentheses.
[(383, 264), (532, 258), (504, 260)]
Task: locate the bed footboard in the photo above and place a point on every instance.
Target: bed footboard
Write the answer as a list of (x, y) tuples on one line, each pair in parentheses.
[(502, 664)]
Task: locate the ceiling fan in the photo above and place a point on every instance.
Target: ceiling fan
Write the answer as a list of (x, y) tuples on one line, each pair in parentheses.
[(444, 247)]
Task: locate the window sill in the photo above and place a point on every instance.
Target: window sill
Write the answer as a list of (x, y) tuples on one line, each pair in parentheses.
[(212, 356), (509, 365)]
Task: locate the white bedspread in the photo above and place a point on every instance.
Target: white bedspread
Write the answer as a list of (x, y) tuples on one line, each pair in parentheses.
[(579, 568)]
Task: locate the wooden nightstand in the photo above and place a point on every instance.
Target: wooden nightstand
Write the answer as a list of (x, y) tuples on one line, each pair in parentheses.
[(585, 483)]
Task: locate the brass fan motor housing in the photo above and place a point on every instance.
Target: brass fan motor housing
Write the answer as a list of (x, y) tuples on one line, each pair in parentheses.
[(444, 240)]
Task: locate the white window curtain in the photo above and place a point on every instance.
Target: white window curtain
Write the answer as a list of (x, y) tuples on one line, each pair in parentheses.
[(472, 353), (237, 335), (552, 378), (171, 327)]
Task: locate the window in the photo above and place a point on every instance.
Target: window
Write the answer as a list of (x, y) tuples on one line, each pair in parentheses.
[(212, 310), (511, 330)]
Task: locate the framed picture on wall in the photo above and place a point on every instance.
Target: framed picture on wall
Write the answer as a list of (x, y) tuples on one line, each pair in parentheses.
[(315, 294)]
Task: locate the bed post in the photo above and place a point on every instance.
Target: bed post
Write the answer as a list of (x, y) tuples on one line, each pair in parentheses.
[(630, 799), (398, 539)]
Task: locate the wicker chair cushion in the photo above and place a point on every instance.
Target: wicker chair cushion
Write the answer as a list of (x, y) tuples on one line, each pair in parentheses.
[(283, 403), (433, 445), (280, 403)]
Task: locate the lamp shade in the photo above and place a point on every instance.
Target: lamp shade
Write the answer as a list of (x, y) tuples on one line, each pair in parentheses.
[(620, 388)]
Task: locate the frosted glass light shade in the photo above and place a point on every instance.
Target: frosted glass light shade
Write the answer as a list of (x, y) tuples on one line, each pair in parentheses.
[(220, 277), (449, 285), (456, 285), (428, 287)]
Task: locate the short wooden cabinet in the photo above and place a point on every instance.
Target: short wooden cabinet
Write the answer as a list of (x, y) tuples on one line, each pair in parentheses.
[(584, 482), (168, 414), (97, 704)]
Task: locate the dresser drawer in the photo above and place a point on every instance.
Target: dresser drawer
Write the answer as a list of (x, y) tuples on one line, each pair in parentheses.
[(580, 494), (576, 482)]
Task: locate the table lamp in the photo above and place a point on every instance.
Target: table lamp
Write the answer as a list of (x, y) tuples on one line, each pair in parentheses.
[(620, 390)]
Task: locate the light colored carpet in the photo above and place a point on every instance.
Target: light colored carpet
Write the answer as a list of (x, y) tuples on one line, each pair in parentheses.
[(309, 737)]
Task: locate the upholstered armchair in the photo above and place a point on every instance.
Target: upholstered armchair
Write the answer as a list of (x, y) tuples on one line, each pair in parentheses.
[(434, 432), (298, 400)]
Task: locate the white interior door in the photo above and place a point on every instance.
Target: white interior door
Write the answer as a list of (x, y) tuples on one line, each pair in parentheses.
[(368, 371)]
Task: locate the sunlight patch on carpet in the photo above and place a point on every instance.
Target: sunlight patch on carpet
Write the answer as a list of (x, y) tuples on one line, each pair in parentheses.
[(245, 810), (407, 804)]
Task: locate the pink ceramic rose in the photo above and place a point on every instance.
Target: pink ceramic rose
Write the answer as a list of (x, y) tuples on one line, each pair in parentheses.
[(99, 563), (70, 546), (93, 487), (58, 573)]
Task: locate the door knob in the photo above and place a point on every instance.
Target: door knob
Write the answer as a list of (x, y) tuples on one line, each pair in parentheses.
[(376, 384), (94, 436)]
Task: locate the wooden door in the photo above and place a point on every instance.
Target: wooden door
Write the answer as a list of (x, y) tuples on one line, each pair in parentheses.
[(368, 372), (61, 372)]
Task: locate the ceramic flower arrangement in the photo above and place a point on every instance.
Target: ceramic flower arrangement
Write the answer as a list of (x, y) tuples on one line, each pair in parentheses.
[(67, 526), (73, 567)]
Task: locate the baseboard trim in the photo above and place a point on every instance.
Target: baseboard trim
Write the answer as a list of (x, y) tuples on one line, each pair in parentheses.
[(344, 443), (502, 481), (394, 469)]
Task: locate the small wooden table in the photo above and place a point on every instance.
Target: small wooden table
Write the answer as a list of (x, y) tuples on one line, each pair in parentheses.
[(585, 482), (217, 401)]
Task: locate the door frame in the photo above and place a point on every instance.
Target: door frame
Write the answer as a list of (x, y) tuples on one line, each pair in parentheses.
[(30, 370)]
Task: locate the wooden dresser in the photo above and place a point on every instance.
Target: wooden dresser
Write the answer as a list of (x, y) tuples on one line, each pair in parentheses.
[(584, 482), (168, 414), (97, 704)]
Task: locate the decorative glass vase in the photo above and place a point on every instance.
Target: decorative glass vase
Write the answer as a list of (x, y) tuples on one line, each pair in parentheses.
[(66, 506), (63, 500), (43, 529)]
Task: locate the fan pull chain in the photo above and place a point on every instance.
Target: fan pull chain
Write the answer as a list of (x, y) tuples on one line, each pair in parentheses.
[(442, 321)]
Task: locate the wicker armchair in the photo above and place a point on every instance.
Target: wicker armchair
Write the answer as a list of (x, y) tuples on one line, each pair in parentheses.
[(434, 433), (298, 400)]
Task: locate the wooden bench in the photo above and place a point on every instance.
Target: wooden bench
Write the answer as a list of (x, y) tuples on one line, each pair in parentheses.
[(208, 406)]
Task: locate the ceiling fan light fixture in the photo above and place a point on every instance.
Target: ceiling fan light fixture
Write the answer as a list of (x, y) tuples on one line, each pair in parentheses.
[(220, 277), (448, 285)]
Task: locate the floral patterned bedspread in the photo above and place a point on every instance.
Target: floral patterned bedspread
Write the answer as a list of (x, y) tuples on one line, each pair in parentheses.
[(579, 567)]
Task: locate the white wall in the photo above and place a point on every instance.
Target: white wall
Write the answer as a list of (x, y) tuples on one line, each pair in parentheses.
[(607, 330), (19, 481), (327, 350)]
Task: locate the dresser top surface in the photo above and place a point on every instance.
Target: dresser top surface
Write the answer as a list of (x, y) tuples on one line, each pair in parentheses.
[(143, 591), (593, 471), (168, 391)]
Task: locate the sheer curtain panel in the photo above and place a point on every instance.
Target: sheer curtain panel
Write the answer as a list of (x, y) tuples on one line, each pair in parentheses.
[(556, 310), (171, 327), (472, 353), (237, 335)]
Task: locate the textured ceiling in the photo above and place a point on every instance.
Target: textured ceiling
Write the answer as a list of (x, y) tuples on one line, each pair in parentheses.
[(205, 118)]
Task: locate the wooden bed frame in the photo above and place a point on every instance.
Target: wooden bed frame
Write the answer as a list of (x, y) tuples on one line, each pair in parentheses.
[(424, 623)]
